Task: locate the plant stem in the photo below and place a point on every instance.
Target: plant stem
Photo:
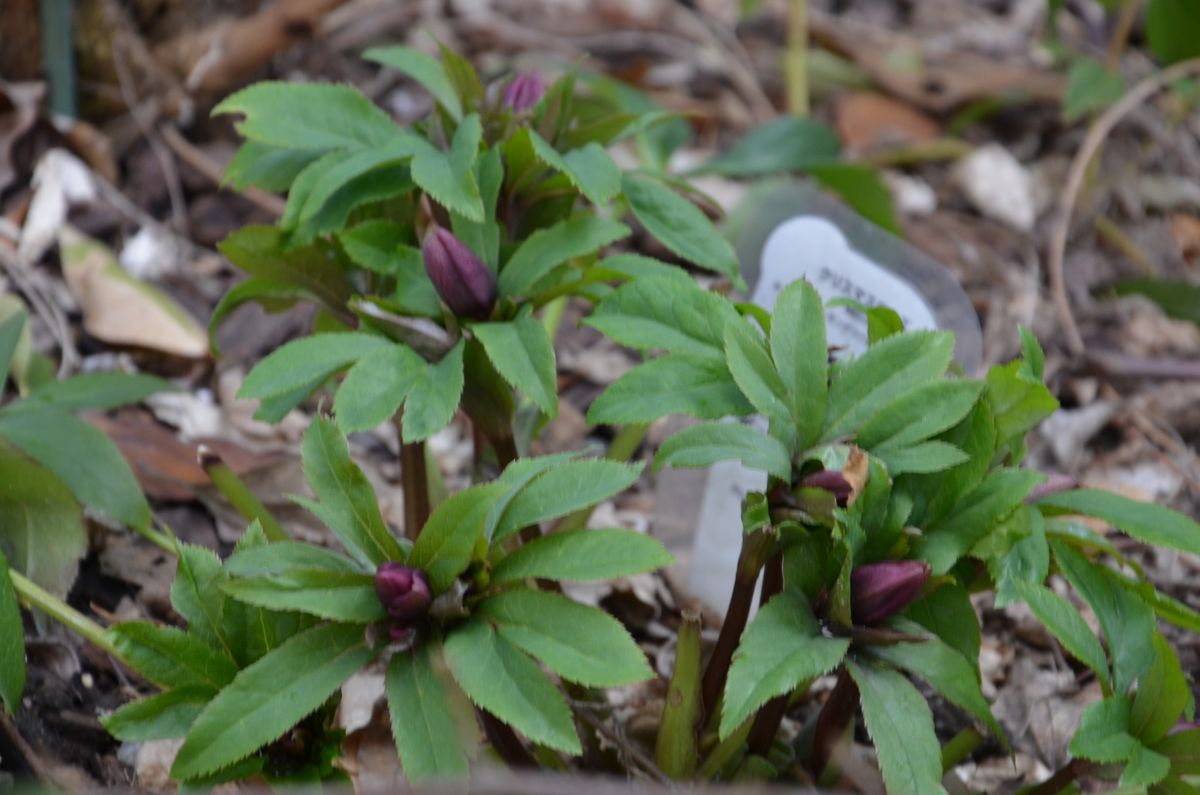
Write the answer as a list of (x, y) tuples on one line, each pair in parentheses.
[(34, 596), (1120, 34), (239, 495), (755, 547), (415, 480), (960, 746), (835, 717), (766, 725), (160, 540), (675, 749), (552, 315), (795, 65), (1062, 778)]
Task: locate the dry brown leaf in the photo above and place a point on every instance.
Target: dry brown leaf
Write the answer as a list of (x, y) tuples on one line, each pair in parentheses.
[(867, 121), (1186, 231), (119, 309)]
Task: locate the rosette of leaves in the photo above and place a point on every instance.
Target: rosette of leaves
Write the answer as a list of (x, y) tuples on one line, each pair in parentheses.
[(891, 455), (275, 630), (53, 466), (532, 193)]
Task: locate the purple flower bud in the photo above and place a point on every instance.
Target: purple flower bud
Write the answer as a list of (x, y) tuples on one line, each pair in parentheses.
[(403, 590), (524, 91), (461, 278), (831, 480), (880, 590)]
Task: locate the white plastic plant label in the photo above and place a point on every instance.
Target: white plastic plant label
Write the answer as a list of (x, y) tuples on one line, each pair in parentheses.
[(796, 233)]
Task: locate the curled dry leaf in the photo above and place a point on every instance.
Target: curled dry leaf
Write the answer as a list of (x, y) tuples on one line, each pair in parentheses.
[(59, 181), (119, 309)]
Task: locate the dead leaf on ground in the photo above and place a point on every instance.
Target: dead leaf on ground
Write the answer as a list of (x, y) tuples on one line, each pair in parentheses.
[(59, 181), (119, 309), (1186, 231), (868, 121)]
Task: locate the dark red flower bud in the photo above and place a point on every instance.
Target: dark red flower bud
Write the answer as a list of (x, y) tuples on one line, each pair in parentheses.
[(525, 90), (403, 590), (831, 480), (461, 278), (880, 590)]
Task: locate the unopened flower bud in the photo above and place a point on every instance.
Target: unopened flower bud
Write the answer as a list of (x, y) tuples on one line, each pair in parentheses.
[(831, 480), (403, 590), (460, 277), (525, 90), (880, 590)]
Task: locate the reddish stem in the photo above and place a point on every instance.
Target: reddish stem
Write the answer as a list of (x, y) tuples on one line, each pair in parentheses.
[(766, 725)]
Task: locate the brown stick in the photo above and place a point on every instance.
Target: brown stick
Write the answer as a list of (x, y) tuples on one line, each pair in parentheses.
[(1066, 200), (1062, 778), (834, 718), (188, 153), (505, 741)]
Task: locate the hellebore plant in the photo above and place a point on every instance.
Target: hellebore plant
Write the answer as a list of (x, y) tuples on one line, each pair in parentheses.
[(893, 491), (440, 256)]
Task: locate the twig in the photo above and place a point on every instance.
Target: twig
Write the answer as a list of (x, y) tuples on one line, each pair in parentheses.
[(624, 747), (1119, 365), (1099, 130), (1120, 35), (796, 58), (1061, 779), (738, 66), (44, 306), (195, 158)]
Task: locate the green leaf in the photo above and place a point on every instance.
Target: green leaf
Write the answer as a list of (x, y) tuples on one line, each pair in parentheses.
[(281, 556), (498, 677), (980, 510), (750, 365), (195, 596), (168, 657), (1127, 621), (1183, 749), (347, 501), (548, 248), (12, 650), (583, 556), (41, 529), (271, 296), (579, 643), (262, 252), (376, 386), (567, 488), (1018, 403), (949, 614), (1018, 559), (1179, 299), (268, 167), (861, 187), (484, 237), (99, 390), (922, 458), (462, 76), (1173, 30), (434, 397), (164, 716), (1064, 622), (1146, 521), (1032, 355), (788, 143), (1103, 733), (1090, 86), (82, 456), (307, 360), (308, 116), (944, 668), (654, 313), (590, 168), (446, 543), (869, 383), (426, 738), (269, 697), (10, 335), (901, 727), (680, 226), (674, 384), (704, 445), (336, 595), (801, 356), (449, 179), (1162, 695), (523, 354), (422, 68), (920, 414), (782, 647), (327, 188), (1145, 767)]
